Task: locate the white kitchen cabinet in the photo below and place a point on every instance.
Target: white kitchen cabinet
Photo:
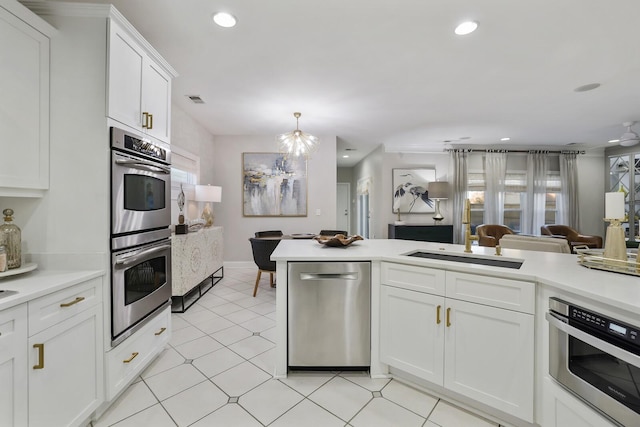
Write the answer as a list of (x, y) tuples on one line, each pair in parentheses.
[(139, 87), (562, 409), (13, 366), (24, 104), (471, 334)]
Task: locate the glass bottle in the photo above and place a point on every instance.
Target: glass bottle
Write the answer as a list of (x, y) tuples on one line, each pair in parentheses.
[(11, 239)]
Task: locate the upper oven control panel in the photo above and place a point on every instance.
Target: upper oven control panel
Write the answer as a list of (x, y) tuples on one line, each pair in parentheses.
[(131, 143)]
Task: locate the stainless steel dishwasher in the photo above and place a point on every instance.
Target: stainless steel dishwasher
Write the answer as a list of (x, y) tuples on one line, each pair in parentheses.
[(329, 315)]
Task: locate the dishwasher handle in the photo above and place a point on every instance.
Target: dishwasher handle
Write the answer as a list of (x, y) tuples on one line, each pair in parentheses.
[(329, 276)]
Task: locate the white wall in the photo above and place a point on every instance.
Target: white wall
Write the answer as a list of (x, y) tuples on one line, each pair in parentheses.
[(226, 167)]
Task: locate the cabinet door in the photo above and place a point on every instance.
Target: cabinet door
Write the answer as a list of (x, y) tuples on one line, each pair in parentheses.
[(13, 366), (411, 332), (126, 62), (156, 92), (489, 356), (65, 374), (24, 108)]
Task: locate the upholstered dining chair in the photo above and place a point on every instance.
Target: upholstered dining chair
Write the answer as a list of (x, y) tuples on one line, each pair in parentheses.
[(262, 250), (332, 232), (572, 236), (269, 233), (490, 234)]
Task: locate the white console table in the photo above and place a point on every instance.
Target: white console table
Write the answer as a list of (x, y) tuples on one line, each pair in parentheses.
[(196, 265)]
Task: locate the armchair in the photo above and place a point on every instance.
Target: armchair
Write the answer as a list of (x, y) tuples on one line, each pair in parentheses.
[(572, 236), (490, 234)]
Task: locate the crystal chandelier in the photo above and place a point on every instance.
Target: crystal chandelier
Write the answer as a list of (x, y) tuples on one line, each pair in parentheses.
[(297, 143)]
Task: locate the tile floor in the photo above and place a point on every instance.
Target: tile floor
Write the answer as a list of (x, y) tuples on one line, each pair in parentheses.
[(217, 371)]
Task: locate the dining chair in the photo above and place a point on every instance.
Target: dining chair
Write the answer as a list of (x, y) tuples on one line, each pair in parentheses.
[(269, 233), (262, 250), (332, 232)]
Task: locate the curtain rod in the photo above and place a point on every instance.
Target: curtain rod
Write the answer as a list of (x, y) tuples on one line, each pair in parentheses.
[(471, 150)]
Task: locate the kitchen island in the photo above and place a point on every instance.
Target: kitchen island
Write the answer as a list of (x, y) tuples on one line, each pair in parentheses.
[(520, 294)]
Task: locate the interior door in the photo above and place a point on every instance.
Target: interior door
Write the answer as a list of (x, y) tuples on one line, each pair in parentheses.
[(343, 207)]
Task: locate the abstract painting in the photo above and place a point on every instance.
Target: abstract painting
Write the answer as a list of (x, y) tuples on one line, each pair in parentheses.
[(274, 184), (410, 190)]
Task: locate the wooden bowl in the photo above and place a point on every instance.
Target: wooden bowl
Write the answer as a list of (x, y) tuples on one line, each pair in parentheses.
[(339, 240)]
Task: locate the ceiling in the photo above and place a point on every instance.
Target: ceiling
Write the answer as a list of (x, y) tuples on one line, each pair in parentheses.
[(377, 72)]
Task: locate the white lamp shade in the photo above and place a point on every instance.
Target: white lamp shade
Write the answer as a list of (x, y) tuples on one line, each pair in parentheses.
[(614, 205), (208, 193), (438, 190)]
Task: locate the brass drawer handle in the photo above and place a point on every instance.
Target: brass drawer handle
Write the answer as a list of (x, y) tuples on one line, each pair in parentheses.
[(133, 356), (145, 120), (75, 301), (160, 331), (438, 321), (150, 126), (40, 364), (448, 317)]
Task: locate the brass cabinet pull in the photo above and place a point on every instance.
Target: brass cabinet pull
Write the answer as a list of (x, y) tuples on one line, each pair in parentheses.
[(448, 317), (75, 301), (40, 364), (145, 120), (160, 331), (150, 126), (438, 321), (133, 356)]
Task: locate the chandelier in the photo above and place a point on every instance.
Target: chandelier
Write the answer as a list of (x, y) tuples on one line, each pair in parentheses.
[(297, 143)]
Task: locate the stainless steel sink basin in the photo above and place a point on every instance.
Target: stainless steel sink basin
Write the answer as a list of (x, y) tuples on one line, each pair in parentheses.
[(493, 262), (4, 293)]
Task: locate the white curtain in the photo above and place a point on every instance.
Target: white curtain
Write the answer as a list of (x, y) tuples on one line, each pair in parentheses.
[(568, 213), (534, 206), (459, 187), (495, 170)]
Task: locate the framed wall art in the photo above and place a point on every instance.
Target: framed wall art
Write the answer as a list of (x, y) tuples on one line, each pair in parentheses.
[(274, 184), (410, 190)]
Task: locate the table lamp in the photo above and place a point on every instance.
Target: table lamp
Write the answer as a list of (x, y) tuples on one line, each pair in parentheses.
[(207, 194), (438, 190), (615, 247)]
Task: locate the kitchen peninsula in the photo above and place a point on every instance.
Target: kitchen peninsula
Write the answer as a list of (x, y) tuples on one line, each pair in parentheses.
[(474, 334)]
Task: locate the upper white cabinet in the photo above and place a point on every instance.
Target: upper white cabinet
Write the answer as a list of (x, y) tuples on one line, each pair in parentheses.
[(24, 103), (139, 86)]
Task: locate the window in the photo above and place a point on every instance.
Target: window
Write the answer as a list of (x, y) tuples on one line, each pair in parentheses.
[(185, 170)]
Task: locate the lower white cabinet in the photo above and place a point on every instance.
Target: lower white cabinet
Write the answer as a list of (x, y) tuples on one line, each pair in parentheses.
[(127, 360), (13, 366), (562, 409), (51, 358), (481, 351)]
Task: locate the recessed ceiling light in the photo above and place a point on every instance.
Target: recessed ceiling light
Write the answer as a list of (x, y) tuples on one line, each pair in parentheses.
[(224, 19), (586, 88), (465, 28), (346, 156), (505, 139), (613, 141)]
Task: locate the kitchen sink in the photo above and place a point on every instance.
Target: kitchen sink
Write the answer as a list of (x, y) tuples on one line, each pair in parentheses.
[(4, 293), (504, 263)]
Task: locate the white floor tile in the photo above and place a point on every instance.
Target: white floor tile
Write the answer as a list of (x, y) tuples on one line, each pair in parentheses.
[(168, 358), (248, 302), (307, 413), (175, 380), (266, 361), (178, 322), (271, 315), (229, 415), (263, 308), (210, 300), (270, 334), (221, 291), (198, 347), (242, 316), (307, 382), (382, 413), (154, 416), (258, 324), (214, 325), (195, 403), (410, 398), (251, 347), (447, 415), (230, 335), (217, 362), (184, 335), (225, 309), (341, 397), (269, 400), (234, 296), (196, 314), (240, 379), (363, 379), (134, 399)]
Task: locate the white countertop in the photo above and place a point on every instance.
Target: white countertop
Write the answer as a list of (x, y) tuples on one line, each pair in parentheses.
[(552, 269), (41, 282)]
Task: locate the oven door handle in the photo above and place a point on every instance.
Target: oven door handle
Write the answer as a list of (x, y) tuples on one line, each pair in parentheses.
[(143, 164), (127, 261), (593, 341)]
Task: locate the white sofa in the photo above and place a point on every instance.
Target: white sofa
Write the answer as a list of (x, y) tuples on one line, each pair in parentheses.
[(535, 243)]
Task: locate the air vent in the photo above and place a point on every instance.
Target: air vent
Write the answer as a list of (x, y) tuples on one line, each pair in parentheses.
[(196, 99)]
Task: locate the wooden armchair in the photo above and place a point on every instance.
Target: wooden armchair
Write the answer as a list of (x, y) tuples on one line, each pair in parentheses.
[(490, 234), (572, 236)]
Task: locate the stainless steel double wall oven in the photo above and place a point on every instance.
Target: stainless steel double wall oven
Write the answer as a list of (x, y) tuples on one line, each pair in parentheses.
[(140, 234)]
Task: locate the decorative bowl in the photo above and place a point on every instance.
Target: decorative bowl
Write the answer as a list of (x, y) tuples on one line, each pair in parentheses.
[(339, 240)]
